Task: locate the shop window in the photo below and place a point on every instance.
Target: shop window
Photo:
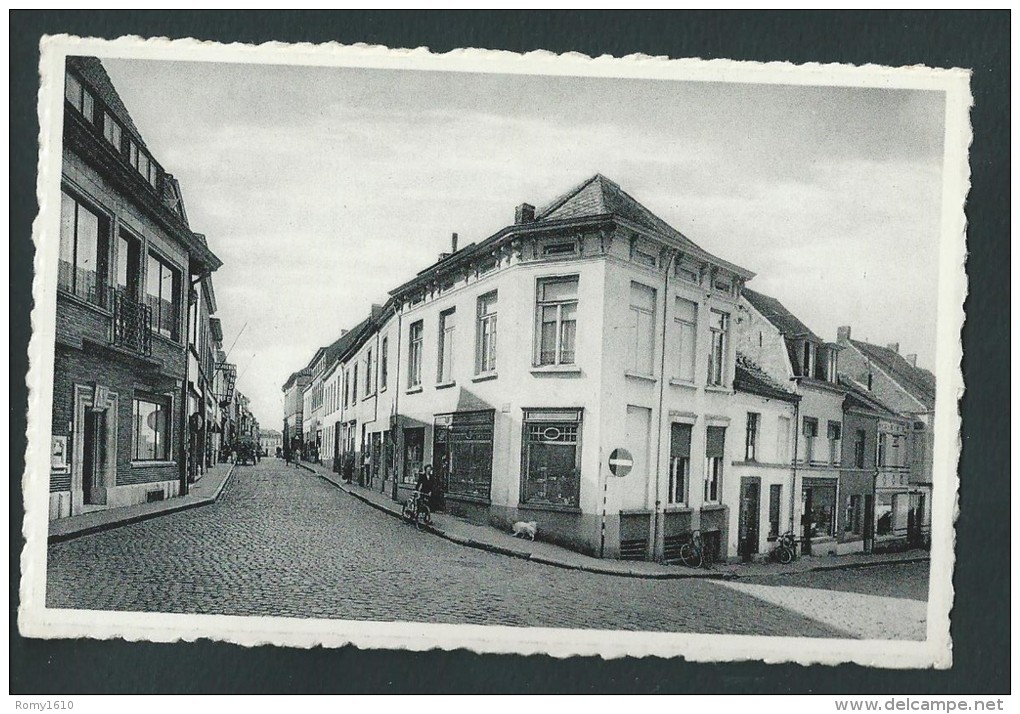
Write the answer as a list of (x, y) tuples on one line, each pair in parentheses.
[(463, 450), (556, 320), (84, 251), (679, 463), (414, 455), (642, 327), (150, 437), (820, 508), (718, 346), (447, 324), (884, 515), (714, 450), (485, 350), (551, 446)]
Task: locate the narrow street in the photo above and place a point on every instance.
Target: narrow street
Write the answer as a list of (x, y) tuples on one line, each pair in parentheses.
[(280, 541)]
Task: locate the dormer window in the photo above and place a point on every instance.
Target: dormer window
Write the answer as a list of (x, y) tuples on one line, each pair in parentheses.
[(80, 98), (808, 359)]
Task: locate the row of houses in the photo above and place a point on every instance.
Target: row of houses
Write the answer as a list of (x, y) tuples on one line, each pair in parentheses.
[(517, 365), (144, 401)]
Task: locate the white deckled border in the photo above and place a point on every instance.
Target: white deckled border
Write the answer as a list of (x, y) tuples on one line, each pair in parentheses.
[(35, 620)]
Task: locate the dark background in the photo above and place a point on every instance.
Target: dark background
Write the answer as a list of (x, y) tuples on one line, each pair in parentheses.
[(980, 619)]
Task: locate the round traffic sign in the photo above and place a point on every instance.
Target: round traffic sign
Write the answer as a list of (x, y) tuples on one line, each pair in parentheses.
[(620, 462)]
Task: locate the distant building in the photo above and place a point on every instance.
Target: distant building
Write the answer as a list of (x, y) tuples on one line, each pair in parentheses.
[(905, 451), (293, 411)]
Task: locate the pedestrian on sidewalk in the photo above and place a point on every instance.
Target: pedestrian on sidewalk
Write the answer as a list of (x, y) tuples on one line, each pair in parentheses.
[(425, 484), (348, 467)]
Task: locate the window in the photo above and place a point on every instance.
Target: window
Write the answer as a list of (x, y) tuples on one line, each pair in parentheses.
[(834, 435), (715, 439), (485, 351), (751, 437), (133, 153), (642, 326), (852, 522), (723, 285), (810, 434), (859, 441), (557, 320), (832, 374), (84, 251), (384, 367), (775, 504), (163, 295), (783, 441), (643, 257), (808, 367), (689, 273), (111, 130), (719, 329), (679, 463), (150, 438), (551, 445), (447, 323), (354, 384), (80, 98), (347, 388), (686, 320), (368, 372), (896, 456), (128, 265), (414, 355), (562, 248)]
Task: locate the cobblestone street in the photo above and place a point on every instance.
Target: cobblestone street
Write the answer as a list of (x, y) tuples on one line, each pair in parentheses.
[(281, 541)]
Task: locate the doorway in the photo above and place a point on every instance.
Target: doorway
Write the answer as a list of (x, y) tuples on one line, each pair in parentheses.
[(749, 517), (93, 465)]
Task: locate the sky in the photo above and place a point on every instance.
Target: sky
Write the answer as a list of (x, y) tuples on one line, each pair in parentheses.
[(322, 189)]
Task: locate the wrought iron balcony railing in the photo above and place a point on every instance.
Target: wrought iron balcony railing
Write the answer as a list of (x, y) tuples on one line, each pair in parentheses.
[(132, 322)]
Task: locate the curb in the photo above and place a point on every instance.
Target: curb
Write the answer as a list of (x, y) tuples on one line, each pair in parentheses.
[(521, 554), (131, 520), (545, 560)]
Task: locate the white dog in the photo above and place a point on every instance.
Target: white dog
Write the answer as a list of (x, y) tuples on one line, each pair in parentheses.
[(525, 529)]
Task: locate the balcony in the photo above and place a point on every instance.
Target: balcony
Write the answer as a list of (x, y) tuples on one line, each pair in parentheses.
[(132, 322)]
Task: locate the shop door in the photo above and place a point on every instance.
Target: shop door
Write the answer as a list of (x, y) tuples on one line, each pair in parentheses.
[(805, 520), (414, 451), (750, 508), (440, 465), (94, 457), (869, 523), (915, 519)]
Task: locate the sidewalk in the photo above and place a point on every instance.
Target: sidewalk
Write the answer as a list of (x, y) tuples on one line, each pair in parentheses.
[(491, 539), (203, 492)]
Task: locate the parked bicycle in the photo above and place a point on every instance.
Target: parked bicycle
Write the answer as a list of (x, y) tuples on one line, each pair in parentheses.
[(786, 548), (416, 510), (692, 553)]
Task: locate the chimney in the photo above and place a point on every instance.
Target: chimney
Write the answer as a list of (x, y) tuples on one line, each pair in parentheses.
[(525, 213), (453, 243), (912, 359), (376, 310), (343, 332), (894, 346), (843, 334)]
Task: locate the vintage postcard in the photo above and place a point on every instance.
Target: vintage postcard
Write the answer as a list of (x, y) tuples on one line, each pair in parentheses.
[(513, 353)]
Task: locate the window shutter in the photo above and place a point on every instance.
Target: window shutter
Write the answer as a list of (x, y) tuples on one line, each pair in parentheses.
[(715, 441), (680, 441)]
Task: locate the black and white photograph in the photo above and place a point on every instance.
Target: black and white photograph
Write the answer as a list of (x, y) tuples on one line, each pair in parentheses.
[(511, 353)]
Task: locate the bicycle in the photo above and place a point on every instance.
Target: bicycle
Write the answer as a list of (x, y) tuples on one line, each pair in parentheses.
[(417, 511), (692, 553), (786, 548)]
